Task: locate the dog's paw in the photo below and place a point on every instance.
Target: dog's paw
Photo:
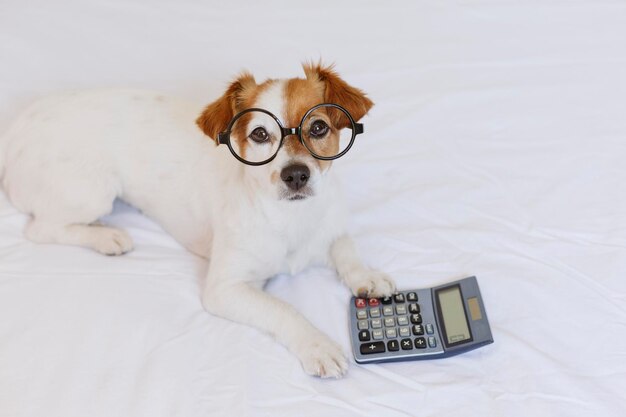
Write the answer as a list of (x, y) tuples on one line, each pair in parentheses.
[(324, 358), (111, 241), (369, 283)]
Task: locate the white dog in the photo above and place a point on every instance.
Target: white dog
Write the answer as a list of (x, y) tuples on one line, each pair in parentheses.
[(67, 157)]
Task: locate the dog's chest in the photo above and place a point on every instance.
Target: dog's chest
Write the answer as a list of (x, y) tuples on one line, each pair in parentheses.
[(305, 245), (289, 241)]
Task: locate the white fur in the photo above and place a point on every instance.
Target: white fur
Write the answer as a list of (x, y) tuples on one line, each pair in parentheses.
[(67, 157)]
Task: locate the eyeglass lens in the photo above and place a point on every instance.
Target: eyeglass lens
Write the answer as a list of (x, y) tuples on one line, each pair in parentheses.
[(255, 136), (327, 131)]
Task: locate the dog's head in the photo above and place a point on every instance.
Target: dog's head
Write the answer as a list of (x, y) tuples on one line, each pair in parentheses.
[(294, 174)]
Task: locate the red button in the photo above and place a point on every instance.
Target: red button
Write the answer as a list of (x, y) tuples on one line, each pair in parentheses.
[(360, 303), (374, 302)]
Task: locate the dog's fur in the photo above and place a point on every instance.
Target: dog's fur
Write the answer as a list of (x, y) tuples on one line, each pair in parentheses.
[(67, 157)]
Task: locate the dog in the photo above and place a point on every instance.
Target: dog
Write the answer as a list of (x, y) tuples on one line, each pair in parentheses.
[(66, 159)]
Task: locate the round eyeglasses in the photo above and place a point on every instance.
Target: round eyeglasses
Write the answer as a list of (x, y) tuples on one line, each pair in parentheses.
[(327, 131)]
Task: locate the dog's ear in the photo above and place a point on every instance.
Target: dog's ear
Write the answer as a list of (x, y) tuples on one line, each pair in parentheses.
[(339, 92), (216, 116)]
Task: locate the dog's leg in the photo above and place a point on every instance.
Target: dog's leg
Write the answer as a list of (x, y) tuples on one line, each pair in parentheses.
[(362, 281), (104, 239), (245, 304), (65, 201)]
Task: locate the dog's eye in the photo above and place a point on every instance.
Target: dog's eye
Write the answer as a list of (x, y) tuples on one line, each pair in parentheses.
[(259, 135), (318, 129)]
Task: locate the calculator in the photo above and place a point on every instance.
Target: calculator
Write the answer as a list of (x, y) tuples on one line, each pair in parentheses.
[(420, 324)]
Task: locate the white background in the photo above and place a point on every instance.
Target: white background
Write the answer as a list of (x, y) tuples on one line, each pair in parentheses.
[(496, 148)]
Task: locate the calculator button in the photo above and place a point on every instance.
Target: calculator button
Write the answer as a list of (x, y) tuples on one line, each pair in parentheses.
[(385, 300), (405, 332), (373, 347), (377, 334), (390, 322), (406, 344), (430, 329), (391, 333), (387, 311), (420, 343), (418, 330), (360, 303), (364, 335), (393, 345), (401, 309), (361, 314), (403, 321), (432, 342), (362, 325), (414, 308), (374, 312), (399, 298), (377, 324), (373, 302), (416, 318), (411, 296)]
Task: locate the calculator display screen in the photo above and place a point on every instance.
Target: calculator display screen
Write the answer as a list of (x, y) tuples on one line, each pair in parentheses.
[(451, 310)]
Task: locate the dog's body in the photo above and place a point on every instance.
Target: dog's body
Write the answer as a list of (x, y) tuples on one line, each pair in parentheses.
[(67, 158)]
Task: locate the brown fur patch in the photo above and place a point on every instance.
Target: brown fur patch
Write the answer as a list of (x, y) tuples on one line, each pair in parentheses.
[(241, 94), (322, 85), (339, 92), (300, 95), (217, 115)]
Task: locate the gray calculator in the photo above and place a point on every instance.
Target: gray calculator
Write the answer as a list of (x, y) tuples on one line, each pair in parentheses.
[(420, 324)]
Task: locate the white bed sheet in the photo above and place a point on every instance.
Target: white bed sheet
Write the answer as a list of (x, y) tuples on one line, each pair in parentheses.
[(496, 148)]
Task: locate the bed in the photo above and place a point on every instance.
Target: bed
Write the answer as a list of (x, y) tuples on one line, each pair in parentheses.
[(496, 148)]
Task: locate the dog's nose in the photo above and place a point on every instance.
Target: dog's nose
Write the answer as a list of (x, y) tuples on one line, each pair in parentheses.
[(295, 176)]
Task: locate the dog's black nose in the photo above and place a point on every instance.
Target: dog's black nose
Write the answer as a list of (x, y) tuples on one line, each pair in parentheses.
[(295, 176)]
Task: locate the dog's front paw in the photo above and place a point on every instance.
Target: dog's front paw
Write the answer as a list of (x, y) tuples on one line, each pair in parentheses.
[(322, 357), (368, 283)]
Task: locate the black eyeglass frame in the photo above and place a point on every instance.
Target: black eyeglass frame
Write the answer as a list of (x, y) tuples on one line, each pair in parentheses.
[(223, 138)]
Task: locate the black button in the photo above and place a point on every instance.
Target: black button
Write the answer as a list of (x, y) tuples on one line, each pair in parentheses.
[(399, 298), (385, 300), (406, 344), (411, 296), (364, 335), (372, 347), (420, 343), (393, 345), (416, 318), (414, 308), (418, 330)]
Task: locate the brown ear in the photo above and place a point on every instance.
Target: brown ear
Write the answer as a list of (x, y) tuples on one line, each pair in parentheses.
[(216, 116), (338, 91)]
